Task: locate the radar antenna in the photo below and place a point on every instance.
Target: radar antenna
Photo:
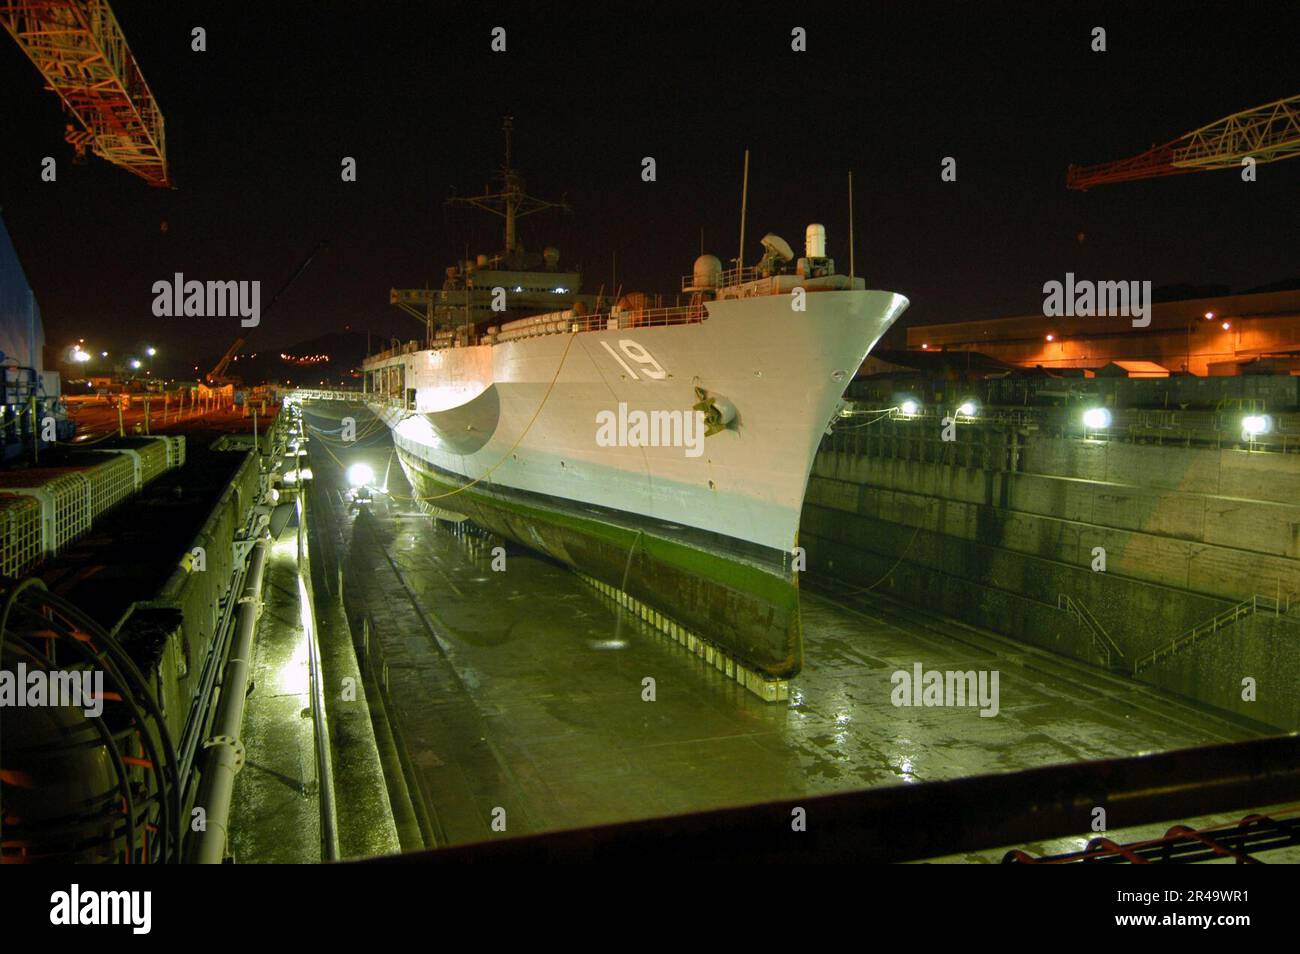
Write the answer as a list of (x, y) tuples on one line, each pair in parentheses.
[(510, 202)]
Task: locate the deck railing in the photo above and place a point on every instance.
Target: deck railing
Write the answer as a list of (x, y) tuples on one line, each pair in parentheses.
[(730, 277), (349, 395), (547, 325), (406, 347), (625, 318)]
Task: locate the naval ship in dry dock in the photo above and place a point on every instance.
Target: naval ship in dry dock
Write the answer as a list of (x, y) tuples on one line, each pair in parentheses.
[(499, 417)]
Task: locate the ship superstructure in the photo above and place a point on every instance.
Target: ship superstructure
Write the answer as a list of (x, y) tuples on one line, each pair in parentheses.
[(531, 281)]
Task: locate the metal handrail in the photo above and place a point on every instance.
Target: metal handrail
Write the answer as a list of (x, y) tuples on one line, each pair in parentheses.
[(603, 321), (330, 394), (730, 277), (643, 317), (1209, 627), (1100, 638), (405, 348), (624, 318)]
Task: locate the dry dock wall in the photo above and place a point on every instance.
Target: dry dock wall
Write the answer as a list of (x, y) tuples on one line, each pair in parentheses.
[(998, 527), (183, 620)]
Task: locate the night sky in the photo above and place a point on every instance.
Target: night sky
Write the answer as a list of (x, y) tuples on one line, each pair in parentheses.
[(258, 124)]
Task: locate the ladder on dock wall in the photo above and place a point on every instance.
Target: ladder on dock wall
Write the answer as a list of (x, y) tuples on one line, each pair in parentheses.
[(1101, 641), (1229, 617)]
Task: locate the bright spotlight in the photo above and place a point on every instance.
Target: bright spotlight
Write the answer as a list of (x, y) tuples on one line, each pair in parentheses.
[(151, 351), (360, 475), (909, 407), (967, 408), (1255, 424), (135, 362), (1096, 418)]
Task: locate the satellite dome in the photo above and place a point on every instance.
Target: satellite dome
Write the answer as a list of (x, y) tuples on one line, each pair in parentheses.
[(706, 275)]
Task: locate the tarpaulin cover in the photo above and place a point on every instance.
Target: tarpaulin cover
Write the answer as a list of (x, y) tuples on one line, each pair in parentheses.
[(22, 337)]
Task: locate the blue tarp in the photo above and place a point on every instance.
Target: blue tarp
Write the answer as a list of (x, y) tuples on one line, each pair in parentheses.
[(22, 336)]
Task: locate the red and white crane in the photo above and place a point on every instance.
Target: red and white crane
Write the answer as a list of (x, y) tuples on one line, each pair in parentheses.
[(80, 50), (1266, 134)]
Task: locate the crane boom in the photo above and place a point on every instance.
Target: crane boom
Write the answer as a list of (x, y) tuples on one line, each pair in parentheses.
[(215, 376), (1266, 133), (79, 48)]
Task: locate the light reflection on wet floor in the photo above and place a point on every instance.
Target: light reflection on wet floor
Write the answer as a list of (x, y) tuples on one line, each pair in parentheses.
[(528, 694)]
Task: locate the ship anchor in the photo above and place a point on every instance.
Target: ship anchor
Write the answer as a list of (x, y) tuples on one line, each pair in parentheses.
[(718, 411)]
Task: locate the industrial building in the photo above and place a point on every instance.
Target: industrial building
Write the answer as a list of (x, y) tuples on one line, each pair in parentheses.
[(1255, 333)]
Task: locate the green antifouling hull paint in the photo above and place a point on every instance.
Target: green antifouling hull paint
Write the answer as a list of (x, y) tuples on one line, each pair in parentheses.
[(750, 612)]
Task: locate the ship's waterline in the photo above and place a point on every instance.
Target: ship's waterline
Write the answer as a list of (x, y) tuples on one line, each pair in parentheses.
[(745, 601)]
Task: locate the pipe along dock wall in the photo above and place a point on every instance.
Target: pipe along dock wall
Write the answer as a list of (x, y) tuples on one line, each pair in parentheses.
[(998, 527)]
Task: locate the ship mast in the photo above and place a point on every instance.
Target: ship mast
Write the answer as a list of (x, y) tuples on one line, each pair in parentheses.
[(514, 188), (510, 202)]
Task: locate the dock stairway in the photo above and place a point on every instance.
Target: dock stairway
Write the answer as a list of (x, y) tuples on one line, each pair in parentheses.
[(1106, 647), (1229, 617)]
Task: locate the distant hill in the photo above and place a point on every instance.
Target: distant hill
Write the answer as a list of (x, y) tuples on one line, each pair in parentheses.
[(1286, 284), (1187, 292), (333, 358)]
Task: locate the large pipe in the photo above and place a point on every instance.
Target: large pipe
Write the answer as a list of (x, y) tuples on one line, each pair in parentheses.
[(324, 764), (934, 819), (226, 751)]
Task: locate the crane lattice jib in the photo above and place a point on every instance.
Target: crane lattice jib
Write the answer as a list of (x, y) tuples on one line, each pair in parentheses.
[(79, 48), (1266, 133)]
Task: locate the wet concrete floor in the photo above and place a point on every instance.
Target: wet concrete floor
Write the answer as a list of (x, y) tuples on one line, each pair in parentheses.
[(519, 694), (274, 812)]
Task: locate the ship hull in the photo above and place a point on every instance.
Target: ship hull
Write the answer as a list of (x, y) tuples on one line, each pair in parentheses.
[(745, 604), (705, 532)]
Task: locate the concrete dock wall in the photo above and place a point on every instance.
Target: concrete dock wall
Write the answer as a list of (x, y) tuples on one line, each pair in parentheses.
[(186, 613), (1001, 531)]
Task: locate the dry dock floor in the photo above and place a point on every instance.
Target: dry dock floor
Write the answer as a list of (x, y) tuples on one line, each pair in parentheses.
[(519, 695)]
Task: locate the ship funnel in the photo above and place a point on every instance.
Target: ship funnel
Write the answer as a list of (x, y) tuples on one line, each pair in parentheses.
[(814, 245)]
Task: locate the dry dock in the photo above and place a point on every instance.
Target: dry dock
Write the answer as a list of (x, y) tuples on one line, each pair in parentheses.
[(521, 701)]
